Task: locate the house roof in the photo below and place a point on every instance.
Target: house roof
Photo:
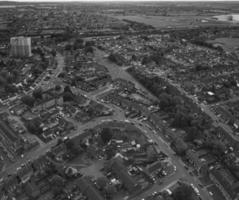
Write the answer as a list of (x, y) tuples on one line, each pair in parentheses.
[(11, 183), (61, 148), (193, 157), (226, 180), (120, 170), (7, 130), (154, 166)]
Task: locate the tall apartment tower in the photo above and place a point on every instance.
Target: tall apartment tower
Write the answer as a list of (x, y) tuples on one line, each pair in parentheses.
[(20, 46)]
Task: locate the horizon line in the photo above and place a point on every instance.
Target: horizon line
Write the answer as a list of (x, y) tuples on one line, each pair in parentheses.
[(68, 1)]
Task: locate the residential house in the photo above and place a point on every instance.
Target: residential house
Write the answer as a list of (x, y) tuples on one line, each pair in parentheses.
[(120, 171), (226, 182), (88, 189)]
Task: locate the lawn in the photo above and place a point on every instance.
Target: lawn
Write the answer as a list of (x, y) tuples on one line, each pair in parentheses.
[(168, 21), (228, 44), (217, 194), (94, 170), (205, 180)]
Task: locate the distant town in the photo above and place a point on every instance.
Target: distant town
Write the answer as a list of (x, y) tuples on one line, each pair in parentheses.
[(119, 101)]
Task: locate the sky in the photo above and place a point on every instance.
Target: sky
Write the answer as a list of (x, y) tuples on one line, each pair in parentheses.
[(115, 0)]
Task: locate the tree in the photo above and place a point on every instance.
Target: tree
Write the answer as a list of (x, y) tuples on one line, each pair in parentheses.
[(177, 100), (2, 80), (193, 133), (15, 73), (134, 57), (106, 135), (218, 149), (117, 58), (110, 152), (36, 71), (68, 96), (89, 49), (146, 60), (165, 101), (183, 192), (201, 67), (57, 183), (33, 126), (10, 78), (73, 147), (53, 52), (44, 65), (89, 43), (181, 120), (101, 182), (112, 57), (68, 47), (28, 100), (179, 146), (58, 88), (10, 88), (110, 190), (157, 57), (4, 73), (78, 44), (37, 51), (79, 41), (62, 75), (2, 64), (37, 93), (67, 89)]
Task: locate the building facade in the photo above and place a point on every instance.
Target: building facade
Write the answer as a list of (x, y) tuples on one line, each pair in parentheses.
[(20, 46)]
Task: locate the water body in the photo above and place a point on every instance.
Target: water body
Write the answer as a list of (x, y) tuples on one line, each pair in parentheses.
[(8, 6), (228, 18)]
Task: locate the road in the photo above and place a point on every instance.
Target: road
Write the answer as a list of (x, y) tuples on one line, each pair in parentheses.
[(54, 76)]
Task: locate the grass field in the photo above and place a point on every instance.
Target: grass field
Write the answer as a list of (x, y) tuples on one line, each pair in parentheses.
[(229, 44), (176, 21)]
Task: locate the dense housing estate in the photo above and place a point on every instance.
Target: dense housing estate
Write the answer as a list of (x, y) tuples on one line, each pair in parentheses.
[(119, 101)]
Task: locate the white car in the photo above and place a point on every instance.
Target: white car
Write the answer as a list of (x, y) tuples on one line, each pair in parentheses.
[(196, 190), (168, 191)]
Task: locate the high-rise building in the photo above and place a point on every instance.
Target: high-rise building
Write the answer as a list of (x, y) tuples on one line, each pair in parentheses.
[(20, 46)]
